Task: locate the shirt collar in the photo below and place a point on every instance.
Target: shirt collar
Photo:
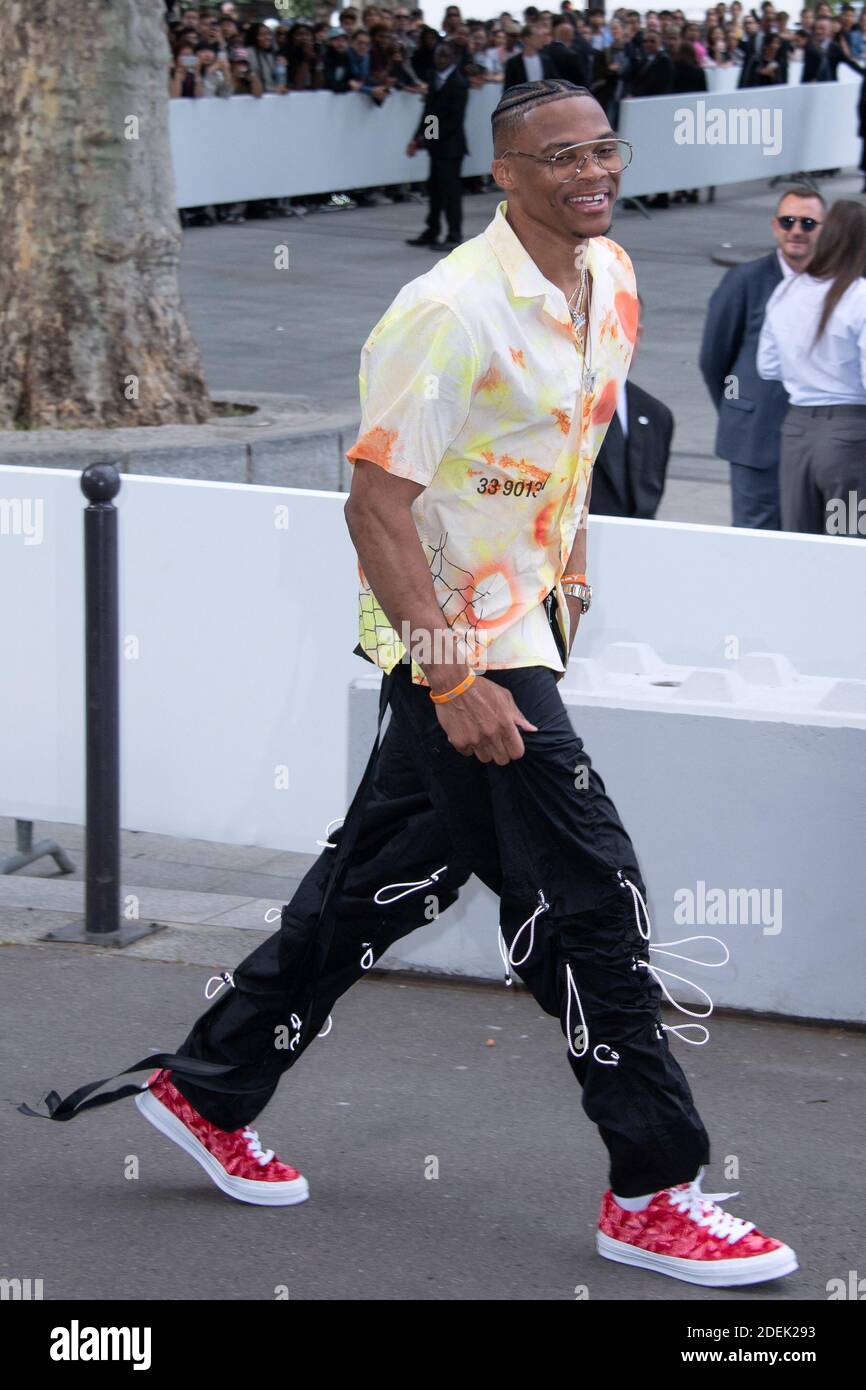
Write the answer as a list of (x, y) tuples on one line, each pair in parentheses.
[(787, 272), (445, 74), (523, 275)]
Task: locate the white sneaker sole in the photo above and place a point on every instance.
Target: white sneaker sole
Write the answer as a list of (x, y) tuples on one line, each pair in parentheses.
[(261, 1194), (752, 1269)]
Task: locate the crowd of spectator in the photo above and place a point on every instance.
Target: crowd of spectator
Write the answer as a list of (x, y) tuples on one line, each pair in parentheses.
[(376, 50)]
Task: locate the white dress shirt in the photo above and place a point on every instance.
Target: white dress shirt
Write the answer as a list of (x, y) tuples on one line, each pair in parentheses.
[(833, 371), (533, 65), (622, 410)]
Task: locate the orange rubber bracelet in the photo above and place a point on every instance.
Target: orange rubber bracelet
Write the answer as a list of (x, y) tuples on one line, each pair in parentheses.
[(458, 690), (573, 579)]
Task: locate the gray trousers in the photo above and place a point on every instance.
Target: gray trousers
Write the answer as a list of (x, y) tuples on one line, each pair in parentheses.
[(822, 472)]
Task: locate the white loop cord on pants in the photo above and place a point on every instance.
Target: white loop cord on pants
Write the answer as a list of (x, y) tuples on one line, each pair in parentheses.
[(226, 978), (511, 963), (407, 887), (507, 955), (571, 992), (679, 1029), (328, 844)]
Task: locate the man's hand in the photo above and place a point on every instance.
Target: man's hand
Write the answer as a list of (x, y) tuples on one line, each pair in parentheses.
[(484, 722)]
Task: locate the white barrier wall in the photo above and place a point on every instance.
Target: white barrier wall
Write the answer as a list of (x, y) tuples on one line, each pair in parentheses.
[(726, 79), (238, 618), (317, 142), (239, 722), (731, 137), (306, 142), (747, 827)]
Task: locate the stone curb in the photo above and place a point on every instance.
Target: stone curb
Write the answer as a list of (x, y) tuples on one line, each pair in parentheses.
[(287, 441)]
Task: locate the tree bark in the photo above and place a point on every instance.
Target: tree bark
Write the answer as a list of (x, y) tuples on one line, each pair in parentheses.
[(92, 329)]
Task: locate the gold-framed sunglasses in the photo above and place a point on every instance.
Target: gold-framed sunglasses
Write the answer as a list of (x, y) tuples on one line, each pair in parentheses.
[(611, 155)]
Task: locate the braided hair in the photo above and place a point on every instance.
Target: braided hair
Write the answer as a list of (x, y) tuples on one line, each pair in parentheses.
[(516, 103)]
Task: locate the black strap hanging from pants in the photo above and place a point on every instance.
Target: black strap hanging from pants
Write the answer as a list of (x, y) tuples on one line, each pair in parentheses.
[(214, 1076)]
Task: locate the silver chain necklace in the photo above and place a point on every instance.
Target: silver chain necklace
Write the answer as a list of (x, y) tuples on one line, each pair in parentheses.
[(578, 318)]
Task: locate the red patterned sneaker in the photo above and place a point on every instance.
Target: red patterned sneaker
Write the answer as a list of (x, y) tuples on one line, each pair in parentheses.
[(684, 1234), (233, 1158)]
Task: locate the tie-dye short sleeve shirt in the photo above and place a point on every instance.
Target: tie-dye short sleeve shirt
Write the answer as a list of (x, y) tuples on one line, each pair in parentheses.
[(473, 385)]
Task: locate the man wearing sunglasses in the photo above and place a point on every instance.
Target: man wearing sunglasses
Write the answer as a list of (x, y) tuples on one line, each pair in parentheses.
[(486, 389), (750, 409)]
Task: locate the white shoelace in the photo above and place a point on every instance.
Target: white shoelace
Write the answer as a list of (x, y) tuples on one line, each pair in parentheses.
[(408, 888), (701, 1208), (262, 1156), (680, 1029)]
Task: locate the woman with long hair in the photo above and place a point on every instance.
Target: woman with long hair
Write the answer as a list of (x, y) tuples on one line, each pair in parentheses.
[(814, 342)]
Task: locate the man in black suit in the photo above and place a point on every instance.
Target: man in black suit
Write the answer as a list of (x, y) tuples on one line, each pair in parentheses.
[(753, 47), (628, 477), (533, 62), (570, 54), (751, 409), (440, 132), (654, 78), (823, 55)]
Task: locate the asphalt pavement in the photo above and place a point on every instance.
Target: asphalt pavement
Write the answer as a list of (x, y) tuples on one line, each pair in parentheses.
[(415, 1078)]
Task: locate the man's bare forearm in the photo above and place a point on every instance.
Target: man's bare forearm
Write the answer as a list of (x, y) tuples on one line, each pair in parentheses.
[(577, 558)]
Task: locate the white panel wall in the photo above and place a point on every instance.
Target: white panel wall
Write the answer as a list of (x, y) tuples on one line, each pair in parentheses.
[(246, 718), (794, 128), (239, 641), (316, 142)]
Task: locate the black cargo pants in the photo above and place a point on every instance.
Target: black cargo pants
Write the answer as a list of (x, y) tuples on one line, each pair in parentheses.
[(544, 836)]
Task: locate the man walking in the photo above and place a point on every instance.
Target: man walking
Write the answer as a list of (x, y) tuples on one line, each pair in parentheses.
[(751, 410), (487, 388), (440, 132)]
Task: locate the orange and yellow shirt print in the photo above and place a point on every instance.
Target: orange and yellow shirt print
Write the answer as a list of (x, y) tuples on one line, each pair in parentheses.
[(474, 386)]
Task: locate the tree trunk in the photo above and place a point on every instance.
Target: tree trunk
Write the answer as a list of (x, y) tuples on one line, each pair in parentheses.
[(92, 330)]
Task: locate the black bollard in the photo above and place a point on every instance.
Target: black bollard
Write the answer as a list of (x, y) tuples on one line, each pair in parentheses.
[(103, 924)]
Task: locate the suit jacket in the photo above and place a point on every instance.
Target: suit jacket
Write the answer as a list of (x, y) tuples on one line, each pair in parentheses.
[(448, 105), (515, 69), (753, 59), (812, 66), (748, 429), (654, 78), (572, 64), (628, 477), (688, 77)]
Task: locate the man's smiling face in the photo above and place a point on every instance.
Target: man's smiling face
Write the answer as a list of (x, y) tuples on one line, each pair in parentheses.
[(583, 207)]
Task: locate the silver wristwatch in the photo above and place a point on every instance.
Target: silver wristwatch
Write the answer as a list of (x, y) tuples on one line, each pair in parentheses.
[(581, 591)]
